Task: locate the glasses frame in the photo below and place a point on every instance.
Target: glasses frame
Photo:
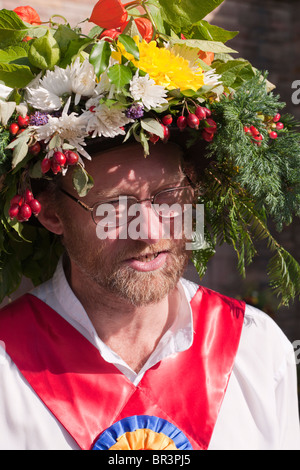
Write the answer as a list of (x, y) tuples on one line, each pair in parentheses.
[(137, 201)]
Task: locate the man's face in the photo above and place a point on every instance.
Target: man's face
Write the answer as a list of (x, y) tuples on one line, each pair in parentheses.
[(142, 270)]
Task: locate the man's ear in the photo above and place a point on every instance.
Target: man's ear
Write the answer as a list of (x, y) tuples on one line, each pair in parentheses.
[(48, 216)]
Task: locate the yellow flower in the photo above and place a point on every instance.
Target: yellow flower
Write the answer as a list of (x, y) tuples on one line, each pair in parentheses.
[(166, 68)]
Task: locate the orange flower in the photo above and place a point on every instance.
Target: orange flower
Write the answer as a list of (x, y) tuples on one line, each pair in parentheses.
[(109, 14), (28, 14), (207, 57), (110, 33)]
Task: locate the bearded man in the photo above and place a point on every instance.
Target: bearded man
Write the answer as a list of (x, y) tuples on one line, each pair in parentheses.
[(128, 354)]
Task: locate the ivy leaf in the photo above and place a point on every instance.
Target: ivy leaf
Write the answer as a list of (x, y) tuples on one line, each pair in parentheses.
[(12, 28), (119, 75), (184, 13), (82, 181), (130, 45), (44, 52), (99, 57)]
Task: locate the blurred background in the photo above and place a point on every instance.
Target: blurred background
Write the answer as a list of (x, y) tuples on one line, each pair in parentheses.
[(270, 39)]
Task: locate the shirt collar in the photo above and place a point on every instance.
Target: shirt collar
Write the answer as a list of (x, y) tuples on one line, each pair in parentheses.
[(60, 296)]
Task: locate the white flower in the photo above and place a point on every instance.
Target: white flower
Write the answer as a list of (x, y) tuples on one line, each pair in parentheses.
[(5, 91), (146, 92), (70, 128), (106, 122), (211, 78), (46, 93), (83, 79)]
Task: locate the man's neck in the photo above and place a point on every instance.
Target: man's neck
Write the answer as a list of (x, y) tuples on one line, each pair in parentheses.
[(133, 332)]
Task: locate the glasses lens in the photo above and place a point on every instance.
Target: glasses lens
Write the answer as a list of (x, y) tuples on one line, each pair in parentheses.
[(111, 214), (171, 202)]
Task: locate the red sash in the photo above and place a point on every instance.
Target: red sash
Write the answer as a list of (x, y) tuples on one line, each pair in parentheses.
[(87, 394)]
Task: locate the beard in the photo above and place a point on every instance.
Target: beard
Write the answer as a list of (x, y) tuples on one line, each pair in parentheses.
[(105, 268)]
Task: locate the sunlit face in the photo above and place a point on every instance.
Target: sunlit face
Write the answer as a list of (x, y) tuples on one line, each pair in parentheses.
[(142, 270)]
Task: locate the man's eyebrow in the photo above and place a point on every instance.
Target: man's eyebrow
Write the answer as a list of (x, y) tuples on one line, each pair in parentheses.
[(105, 194)]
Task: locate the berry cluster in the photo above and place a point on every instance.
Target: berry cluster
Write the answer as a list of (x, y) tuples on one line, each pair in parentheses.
[(18, 127), (201, 119), (22, 207), (272, 124), (58, 161)]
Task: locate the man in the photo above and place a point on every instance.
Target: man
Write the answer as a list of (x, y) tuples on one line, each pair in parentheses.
[(127, 299), (117, 350)]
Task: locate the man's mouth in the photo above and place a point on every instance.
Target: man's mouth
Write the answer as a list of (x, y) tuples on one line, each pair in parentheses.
[(148, 261), (148, 257)]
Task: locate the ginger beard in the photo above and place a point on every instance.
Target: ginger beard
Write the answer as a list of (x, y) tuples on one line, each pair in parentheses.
[(105, 265)]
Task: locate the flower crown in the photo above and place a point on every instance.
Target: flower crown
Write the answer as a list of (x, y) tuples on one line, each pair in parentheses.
[(142, 70)]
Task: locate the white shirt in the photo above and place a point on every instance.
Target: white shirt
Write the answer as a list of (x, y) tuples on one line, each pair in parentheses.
[(259, 410)]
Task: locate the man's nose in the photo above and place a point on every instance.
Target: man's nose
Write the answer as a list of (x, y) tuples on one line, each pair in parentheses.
[(146, 224)]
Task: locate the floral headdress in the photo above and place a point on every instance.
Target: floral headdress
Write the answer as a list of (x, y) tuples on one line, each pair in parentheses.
[(145, 69)]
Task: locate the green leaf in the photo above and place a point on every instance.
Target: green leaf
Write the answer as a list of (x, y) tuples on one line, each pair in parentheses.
[(64, 35), (15, 76), (130, 45), (19, 153), (100, 56), (119, 75), (206, 46), (15, 54), (206, 31), (184, 13), (12, 28), (82, 181), (44, 52), (152, 126), (75, 47)]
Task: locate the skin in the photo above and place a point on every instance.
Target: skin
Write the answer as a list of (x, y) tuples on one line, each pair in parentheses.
[(129, 308)]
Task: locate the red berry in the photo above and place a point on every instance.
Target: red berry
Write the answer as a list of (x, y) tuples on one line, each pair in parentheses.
[(35, 206), (71, 157), (28, 196), (166, 132), (14, 128), (167, 120), (207, 136), (254, 131), (35, 149), (23, 121), (247, 130), (208, 111), (55, 167), (25, 211), (279, 125), (13, 210), (45, 165), (258, 137), (193, 121), (276, 117), (200, 113), (181, 122), (153, 138), (59, 158), (17, 199), (273, 135), (212, 126)]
